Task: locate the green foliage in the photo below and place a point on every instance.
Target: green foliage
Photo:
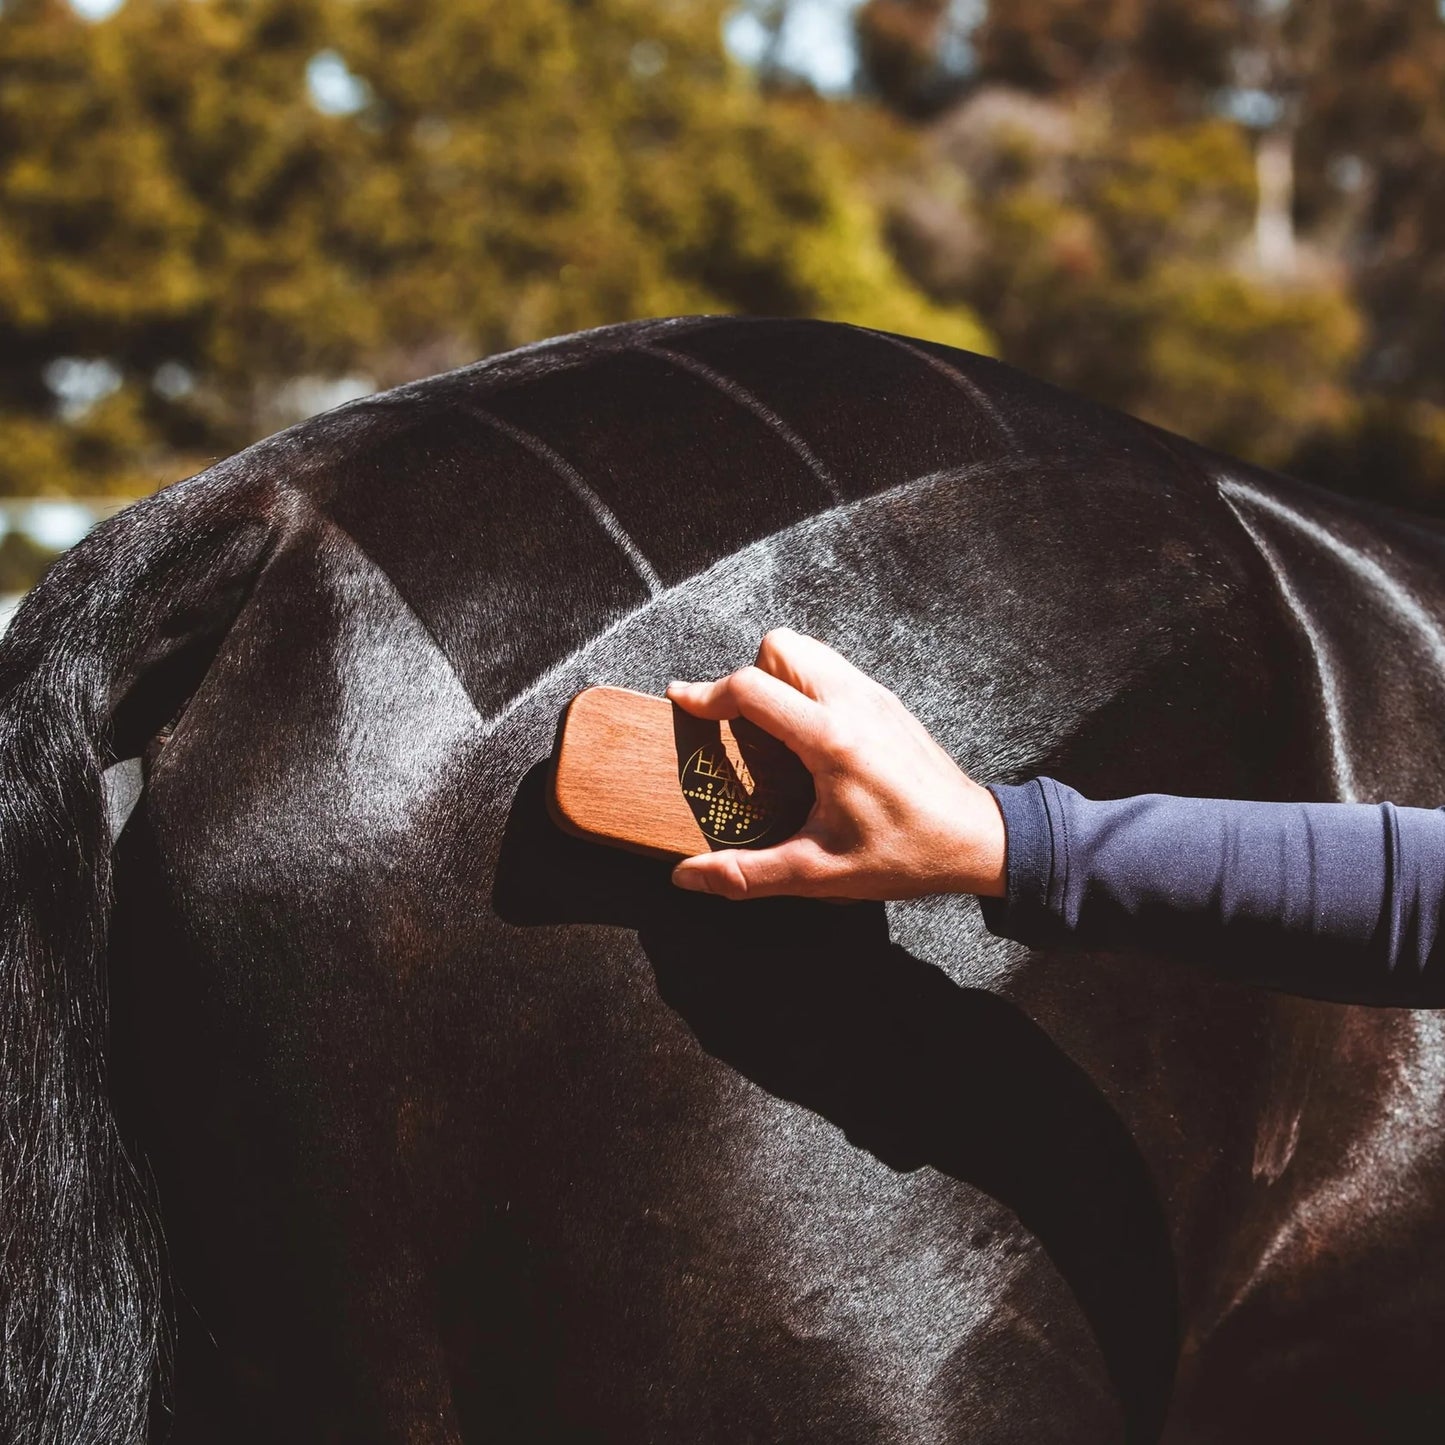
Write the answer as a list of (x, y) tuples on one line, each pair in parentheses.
[(1085, 195), (1118, 263), (174, 203), (22, 562), (1044, 45), (1253, 369)]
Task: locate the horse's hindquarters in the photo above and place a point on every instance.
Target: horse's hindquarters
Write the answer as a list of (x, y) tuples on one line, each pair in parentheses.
[(455, 1139), (429, 1173)]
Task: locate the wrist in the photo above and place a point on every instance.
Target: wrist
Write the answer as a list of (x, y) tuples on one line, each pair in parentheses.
[(978, 854), (993, 862)]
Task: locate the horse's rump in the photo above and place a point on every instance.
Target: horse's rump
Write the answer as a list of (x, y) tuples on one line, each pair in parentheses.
[(460, 1128)]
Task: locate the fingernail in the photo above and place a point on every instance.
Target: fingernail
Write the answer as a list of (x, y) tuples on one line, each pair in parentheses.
[(690, 879), (675, 683)]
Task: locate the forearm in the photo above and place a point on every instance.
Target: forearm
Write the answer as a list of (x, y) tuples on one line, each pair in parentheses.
[(1332, 900)]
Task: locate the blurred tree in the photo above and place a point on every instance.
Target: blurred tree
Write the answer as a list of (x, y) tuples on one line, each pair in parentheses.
[(904, 53), (218, 213), (168, 193), (21, 562), (1121, 265), (574, 165), (1371, 184), (1050, 45), (1331, 259), (1373, 148), (1227, 215)]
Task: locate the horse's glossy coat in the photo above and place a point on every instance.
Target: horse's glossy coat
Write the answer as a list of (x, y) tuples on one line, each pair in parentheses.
[(464, 1130)]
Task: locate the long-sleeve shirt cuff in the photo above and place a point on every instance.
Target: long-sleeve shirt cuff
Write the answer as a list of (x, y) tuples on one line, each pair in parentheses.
[(1023, 912)]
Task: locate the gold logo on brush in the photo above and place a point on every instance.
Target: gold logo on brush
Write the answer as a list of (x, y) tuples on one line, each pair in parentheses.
[(724, 796)]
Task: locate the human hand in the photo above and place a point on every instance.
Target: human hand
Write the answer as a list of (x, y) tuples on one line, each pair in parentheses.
[(894, 816)]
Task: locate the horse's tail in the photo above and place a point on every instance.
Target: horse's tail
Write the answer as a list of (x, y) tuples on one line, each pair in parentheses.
[(139, 605)]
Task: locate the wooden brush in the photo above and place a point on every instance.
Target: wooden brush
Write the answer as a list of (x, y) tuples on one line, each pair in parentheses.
[(637, 772)]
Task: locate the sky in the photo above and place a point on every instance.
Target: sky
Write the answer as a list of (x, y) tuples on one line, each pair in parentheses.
[(817, 41)]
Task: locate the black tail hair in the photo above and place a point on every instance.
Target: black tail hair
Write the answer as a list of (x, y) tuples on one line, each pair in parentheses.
[(81, 1313)]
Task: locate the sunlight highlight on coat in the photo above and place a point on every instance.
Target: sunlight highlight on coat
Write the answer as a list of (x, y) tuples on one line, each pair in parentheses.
[(1381, 1167), (605, 517), (954, 375), (1404, 606), (1344, 769), (395, 755), (833, 1254)]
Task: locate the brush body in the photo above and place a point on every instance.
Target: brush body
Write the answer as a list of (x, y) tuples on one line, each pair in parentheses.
[(634, 771)]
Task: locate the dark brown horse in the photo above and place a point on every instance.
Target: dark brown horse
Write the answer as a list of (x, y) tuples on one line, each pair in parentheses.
[(445, 1127)]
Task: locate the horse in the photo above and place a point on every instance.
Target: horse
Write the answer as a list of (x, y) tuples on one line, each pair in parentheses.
[(347, 1098)]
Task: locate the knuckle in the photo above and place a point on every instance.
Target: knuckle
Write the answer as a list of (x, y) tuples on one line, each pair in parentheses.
[(841, 741), (809, 877), (732, 879), (776, 643)]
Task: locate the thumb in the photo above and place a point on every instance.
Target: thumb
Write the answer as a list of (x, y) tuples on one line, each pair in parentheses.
[(798, 866)]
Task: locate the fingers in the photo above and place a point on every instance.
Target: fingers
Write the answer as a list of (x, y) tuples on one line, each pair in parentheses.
[(774, 705), (810, 666), (799, 867), (783, 690)]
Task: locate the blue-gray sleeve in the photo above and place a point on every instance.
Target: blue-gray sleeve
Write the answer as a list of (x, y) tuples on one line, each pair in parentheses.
[(1333, 900)]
